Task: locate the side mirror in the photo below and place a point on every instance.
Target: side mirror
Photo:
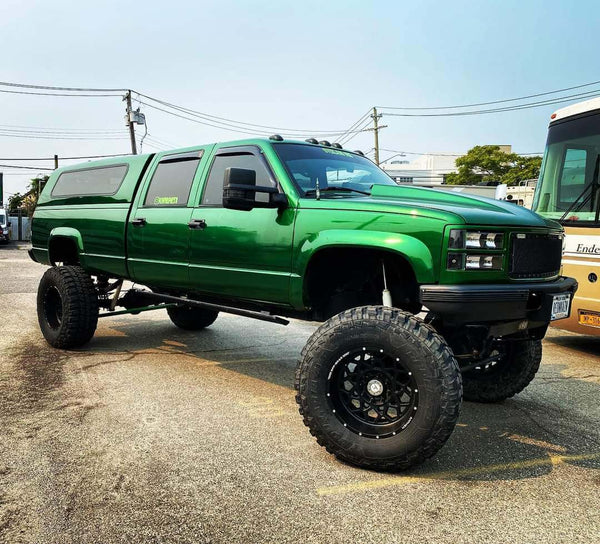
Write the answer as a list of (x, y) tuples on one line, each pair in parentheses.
[(239, 191)]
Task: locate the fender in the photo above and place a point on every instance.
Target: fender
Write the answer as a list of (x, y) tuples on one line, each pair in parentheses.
[(415, 252), (71, 234)]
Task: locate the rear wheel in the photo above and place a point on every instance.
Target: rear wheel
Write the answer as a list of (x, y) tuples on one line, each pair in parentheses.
[(516, 365), (378, 388), (67, 306), (191, 319)]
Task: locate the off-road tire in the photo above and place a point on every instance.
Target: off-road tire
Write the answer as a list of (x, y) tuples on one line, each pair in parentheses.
[(191, 319), (419, 349), (512, 375), (67, 306)]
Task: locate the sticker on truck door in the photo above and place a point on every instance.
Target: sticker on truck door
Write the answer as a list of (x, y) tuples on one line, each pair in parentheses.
[(165, 200)]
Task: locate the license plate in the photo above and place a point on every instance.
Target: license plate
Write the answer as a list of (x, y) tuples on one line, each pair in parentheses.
[(589, 318), (560, 306)]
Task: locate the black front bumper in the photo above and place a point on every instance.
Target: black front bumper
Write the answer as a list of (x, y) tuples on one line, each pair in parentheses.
[(528, 305)]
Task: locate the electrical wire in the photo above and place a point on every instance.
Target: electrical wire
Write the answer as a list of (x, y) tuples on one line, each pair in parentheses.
[(354, 126), (560, 100), (232, 122), (493, 101), (24, 167), (50, 87), (69, 158), (79, 95)]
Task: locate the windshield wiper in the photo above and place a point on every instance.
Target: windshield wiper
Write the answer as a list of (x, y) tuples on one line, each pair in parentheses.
[(333, 189), (590, 187)]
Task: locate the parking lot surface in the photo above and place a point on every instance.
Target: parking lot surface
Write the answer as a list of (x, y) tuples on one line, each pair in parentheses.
[(153, 434)]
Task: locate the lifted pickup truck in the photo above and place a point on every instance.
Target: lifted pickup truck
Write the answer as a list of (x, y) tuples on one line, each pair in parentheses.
[(270, 229)]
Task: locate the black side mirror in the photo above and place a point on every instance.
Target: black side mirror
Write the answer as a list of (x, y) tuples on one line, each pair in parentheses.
[(239, 191)]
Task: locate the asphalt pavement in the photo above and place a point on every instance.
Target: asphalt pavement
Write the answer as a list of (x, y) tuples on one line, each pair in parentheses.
[(151, 434)]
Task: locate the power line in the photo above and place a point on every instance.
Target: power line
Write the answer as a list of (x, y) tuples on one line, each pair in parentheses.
[(49, 87), (69, 158), (79, 95), (232, 122), (355, 128), (24, 167), (560, 100), (494, 101)]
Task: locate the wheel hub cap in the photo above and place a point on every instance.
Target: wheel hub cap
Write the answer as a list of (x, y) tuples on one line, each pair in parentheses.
[(375, 388)]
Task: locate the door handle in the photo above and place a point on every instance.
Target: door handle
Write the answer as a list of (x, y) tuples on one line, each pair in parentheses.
[(139, 222), (197, 224)]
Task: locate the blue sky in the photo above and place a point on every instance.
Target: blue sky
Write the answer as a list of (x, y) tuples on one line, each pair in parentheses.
[(307, 65)]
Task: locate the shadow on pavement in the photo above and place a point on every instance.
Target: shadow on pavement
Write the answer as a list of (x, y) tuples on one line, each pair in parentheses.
[(523, 437)]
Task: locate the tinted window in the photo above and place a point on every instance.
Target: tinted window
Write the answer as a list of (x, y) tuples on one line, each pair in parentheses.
[(91, 181), (213, 193), (171, 183), (2, 220)]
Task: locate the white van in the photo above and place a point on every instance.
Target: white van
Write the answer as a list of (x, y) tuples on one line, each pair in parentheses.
[(4, 226)]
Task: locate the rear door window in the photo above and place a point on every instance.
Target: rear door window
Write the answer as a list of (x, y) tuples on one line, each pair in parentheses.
[(172, 180)]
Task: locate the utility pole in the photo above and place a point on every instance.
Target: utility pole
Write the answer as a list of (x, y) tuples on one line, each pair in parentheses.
[(130, 123), (376, 128)]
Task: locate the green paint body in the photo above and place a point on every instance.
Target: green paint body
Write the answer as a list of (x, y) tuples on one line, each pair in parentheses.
[(262, 255)]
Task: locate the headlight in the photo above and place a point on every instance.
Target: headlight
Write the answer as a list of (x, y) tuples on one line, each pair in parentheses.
[(474, 239), (470, 241)]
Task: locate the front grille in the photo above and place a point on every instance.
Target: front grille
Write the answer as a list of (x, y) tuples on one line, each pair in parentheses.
[(535, 255)]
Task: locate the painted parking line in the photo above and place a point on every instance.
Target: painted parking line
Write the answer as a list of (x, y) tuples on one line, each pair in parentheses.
[(356, 487)]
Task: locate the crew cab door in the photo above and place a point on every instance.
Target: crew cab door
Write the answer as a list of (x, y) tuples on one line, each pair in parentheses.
[(158, 232), (240, 254)]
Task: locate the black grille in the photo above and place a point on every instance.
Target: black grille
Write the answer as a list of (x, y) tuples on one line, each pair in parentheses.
[(535, 255)]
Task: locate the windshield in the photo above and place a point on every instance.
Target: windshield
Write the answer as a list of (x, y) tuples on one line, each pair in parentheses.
[(568, 186), (330, 168)]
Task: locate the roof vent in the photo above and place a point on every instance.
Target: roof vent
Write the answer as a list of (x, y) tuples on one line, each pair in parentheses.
[(336, 145), (276, 137), (311, 141), (325, 143)]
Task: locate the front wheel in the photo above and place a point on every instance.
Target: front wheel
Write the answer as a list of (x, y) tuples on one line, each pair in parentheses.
[(515, 366), (67, 306), (378, 388)]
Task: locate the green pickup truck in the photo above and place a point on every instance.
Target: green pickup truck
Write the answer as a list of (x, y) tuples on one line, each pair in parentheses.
[(273, 229)]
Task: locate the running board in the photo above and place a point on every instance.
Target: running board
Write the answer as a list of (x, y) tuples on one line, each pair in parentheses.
[(262, 316)]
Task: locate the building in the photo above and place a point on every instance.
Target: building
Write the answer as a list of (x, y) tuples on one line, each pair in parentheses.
[(426, 169), (429, 168)]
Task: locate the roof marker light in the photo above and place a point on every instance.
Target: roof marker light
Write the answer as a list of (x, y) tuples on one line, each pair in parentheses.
[(359, 152), (336, 145), (276, 137), (553, 116), (325, 142), (311, 141)]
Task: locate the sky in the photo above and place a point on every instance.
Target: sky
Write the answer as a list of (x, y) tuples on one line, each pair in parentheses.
[(306, 65)]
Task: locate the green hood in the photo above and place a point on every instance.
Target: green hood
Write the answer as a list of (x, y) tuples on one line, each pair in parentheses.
[(473, 210)]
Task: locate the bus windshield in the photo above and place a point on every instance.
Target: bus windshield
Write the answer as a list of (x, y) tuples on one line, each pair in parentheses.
[(568, 189)]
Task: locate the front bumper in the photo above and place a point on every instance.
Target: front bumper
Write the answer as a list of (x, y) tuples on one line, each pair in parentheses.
[(527, 305)]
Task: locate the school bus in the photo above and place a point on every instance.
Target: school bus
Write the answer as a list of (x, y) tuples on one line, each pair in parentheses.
[(568, 191)]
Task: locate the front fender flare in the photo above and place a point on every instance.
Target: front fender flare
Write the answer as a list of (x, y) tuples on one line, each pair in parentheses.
[(416, 253)]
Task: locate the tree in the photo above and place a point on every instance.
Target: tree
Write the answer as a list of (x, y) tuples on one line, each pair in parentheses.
[(28, 201), (15, 202), (489, 163)]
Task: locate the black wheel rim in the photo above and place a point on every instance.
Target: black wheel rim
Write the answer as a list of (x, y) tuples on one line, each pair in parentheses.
[(53, 308), (372, 393)]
